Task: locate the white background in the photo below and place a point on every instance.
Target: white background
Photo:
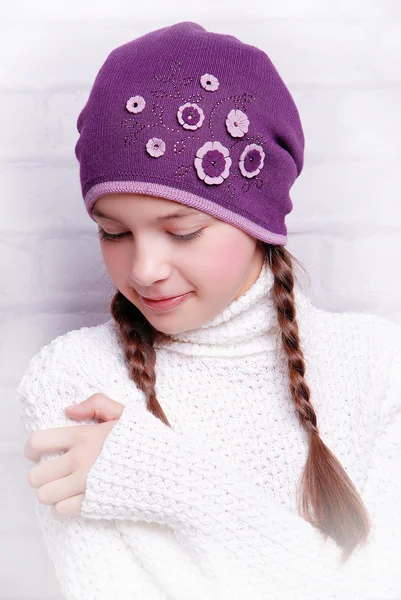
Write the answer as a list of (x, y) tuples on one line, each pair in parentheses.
[(341, 61)]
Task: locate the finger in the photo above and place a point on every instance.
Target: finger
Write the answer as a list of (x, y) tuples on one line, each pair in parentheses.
[(50, 470), (71, 507), (55, 439), (61, 489), (97, 406)]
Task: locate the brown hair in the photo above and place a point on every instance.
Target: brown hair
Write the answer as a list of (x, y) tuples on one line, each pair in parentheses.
[(329, 500)]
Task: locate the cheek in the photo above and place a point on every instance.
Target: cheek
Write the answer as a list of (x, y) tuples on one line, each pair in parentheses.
[(114, 260), (230, 258)]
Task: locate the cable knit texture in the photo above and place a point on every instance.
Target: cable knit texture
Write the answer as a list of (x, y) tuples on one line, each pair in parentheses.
[(207, 509)]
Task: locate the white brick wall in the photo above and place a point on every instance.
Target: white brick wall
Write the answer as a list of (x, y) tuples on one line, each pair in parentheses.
[(341, 60)]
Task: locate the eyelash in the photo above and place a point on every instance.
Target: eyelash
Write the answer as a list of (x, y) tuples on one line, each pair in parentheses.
[(106, 237)]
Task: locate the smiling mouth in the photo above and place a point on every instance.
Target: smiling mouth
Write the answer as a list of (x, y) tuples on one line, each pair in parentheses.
[(166, 304)]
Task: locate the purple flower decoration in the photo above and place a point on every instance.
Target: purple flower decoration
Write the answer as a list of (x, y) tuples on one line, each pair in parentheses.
[(190, 116), (251, 160), (212, 162), (136, 104), (237, 123), (156, 147), (210, 83)]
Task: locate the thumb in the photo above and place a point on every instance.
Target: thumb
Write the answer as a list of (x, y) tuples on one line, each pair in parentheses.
[(97, 406)]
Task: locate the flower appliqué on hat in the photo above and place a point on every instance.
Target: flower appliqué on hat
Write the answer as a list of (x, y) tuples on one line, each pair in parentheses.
[(237, 123), (156, 147), (190, 116), (136, 104), (251, 160), (210, 83), (212, 163)]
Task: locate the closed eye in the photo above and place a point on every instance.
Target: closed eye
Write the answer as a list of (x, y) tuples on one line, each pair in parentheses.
[(112, 237)]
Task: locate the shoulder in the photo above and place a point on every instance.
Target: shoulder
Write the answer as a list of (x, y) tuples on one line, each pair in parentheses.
[(380, 335), (69, 369), (359, 341), (74, 349)]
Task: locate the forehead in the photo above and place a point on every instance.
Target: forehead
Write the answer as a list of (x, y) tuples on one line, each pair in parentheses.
[(115, 207)]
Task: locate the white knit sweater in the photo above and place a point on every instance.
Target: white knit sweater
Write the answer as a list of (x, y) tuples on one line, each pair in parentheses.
[(207, 509)]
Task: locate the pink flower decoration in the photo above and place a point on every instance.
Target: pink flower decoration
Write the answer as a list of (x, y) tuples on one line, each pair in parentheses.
[(251, 160), (212, 163), (136, 104), (156, 147), (209, 82), (237, 123), (190, 116)]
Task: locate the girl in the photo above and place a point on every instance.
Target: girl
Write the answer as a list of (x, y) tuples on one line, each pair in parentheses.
[(227, 439)]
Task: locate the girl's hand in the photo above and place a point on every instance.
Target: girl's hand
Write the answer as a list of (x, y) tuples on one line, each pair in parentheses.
[(62, 481)]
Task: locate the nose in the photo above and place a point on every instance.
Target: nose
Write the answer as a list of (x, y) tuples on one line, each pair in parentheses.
[(149, 265)]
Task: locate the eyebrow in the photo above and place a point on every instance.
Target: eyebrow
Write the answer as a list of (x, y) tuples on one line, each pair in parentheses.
[(178, 214)]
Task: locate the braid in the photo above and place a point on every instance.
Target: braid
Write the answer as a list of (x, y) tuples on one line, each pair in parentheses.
[(138, 336), (330, 501)]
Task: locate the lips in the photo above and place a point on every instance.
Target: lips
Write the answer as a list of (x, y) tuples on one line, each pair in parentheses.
[(162, 297), (167, 304)]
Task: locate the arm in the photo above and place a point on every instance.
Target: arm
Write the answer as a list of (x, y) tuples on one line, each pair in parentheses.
[(99, 560), (146, 470), (82, 572), (380, 563)]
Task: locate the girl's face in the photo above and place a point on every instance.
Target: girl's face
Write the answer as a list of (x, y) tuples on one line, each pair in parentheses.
[(217, 266)]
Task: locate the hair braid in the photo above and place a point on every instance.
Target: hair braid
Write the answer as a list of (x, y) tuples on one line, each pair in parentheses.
[(329, 499), (137, 336)]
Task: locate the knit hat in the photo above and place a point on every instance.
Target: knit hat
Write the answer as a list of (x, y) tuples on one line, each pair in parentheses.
[(197, 117)]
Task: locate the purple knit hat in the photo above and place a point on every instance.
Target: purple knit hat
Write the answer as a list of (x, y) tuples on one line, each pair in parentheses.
[(196, 117)]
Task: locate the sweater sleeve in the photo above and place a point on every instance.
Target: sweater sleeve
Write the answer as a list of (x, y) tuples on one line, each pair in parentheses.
[(380, 563), (80, 550), (96, 559), (147, 471)]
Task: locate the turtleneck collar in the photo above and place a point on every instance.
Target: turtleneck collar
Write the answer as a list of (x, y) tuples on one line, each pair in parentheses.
[(247, 325)]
